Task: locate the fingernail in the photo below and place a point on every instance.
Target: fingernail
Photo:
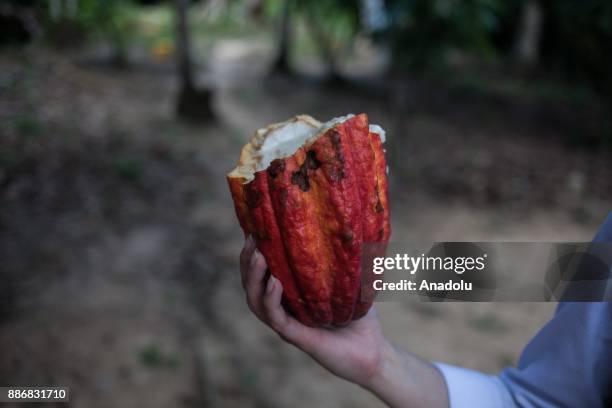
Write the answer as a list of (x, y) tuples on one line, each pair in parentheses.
[(249, 241), (271, 284)]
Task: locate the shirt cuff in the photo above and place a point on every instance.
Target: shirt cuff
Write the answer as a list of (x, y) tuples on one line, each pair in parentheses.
[(469, 388)]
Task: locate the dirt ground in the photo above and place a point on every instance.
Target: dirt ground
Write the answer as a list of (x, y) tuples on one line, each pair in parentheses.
[(119, 243)]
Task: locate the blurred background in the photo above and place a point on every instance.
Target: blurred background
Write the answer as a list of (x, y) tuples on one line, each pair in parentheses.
[(119, 119)]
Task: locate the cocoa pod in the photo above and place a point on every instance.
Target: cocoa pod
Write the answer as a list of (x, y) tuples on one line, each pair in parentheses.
[(312, 195)]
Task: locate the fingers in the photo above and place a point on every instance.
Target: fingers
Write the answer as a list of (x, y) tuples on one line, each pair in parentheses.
[(264, 298), (253, 281), (245, 257), (276, 315), (277, 318)]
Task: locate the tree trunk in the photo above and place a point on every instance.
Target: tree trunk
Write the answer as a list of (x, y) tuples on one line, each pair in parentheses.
[(72, 6), (281, 65), (185, 68), (325, 48), (527, 40), (193, 103), (55, 9), (119, 57)]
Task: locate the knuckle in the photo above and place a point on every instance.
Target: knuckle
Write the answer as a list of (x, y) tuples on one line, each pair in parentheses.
[(246, 254), (254, 260)]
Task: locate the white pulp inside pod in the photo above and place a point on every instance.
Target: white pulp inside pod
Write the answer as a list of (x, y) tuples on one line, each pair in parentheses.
[(284, 139)]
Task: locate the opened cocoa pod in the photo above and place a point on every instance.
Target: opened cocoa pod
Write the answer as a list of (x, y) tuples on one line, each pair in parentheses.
[(312, 195)]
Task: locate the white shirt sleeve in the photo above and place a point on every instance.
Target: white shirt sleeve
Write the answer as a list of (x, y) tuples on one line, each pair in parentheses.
[(472, 389)]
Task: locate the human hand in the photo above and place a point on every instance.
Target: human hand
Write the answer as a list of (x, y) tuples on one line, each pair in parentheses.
[(355, 352)]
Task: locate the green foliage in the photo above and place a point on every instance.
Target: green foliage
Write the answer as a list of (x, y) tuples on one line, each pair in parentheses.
[(111, 20), (578, 41), (27, 125), (153, 357), (421, 32), (128, 168), (331, 24), (338, 17)]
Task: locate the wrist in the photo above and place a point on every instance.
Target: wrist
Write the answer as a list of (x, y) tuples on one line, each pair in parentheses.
[(382, 372), (403, 379)]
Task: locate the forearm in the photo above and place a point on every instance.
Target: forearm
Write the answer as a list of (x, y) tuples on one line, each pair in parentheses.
[(405, 380)]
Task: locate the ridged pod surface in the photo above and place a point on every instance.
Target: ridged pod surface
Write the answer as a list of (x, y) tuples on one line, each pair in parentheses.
[(311, 213)]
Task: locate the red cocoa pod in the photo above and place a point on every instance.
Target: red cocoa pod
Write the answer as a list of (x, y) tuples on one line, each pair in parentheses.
[(312, 195)]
